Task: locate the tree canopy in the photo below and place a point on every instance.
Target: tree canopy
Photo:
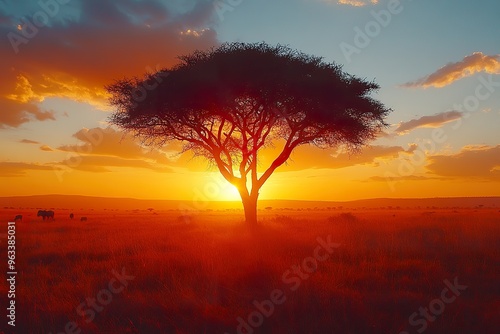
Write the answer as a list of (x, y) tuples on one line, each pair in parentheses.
[(229, 102)]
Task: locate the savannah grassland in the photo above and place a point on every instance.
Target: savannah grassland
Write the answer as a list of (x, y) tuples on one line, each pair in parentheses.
[(198, 274)]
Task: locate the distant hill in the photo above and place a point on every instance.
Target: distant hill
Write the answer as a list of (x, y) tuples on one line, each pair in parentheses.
[(100, 203)]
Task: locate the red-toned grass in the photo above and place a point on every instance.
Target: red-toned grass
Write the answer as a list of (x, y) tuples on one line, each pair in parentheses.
[(199, 277)]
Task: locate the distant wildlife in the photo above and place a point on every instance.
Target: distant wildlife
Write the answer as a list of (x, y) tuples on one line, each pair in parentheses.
[(83, 219), (45, 214), (71, 216), (18, 218)]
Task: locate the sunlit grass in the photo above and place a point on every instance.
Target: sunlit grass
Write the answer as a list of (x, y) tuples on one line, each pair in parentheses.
[(200, 275)]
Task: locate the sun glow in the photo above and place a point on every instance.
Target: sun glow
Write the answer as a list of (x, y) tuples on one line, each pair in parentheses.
[(216, 188), (230, 193)]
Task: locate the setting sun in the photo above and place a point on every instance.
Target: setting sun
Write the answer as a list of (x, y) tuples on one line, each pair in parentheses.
[(230, 193)]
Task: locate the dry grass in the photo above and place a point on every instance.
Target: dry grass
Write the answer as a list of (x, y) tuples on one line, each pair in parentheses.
[(199, 277)]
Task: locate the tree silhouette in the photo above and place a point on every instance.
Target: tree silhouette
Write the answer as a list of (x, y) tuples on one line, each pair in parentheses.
[(228, 103)]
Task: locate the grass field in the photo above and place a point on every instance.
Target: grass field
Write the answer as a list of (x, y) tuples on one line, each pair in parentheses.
[(159, 272)]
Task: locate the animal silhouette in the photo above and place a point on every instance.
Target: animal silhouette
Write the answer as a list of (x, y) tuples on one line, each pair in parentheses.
[(45, 214)]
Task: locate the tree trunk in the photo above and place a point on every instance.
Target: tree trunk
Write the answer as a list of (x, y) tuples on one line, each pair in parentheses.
[(250, 207)]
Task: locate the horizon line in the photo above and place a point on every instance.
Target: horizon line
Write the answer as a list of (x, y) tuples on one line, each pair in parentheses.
[(237, 201)]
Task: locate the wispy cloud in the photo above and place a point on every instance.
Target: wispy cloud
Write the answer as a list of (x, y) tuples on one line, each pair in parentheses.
[(402, 178), (101, 164), (354, 3), (306, 157), (28, 141), (46, 148), (433, 121), (97, 150), (470, 65), (16, 169), (473, 162), (100, 148)]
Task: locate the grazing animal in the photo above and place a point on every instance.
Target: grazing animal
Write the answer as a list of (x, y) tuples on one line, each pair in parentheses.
[(45, 214), (71, 216), (18, 218), (83, 219)]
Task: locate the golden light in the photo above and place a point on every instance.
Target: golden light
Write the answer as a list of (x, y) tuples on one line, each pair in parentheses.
[(213, 187), (194, 33), (230, 194)]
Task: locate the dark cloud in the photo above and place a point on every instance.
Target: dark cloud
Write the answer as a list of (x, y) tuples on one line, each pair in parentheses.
[(89, 44)]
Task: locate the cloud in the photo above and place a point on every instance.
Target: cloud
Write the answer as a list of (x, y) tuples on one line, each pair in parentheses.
[(413, 147), (384, 134), (305, 157), (14, 113), (470, 65), (16, 169), (401, 178), (473, 162), (28, 141), (100, 148), (434, 121), (46, 148), (100, 164), (82, 49), (110, 142), (354, 3)]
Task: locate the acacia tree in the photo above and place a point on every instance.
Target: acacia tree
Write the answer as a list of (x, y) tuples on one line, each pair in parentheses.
[(228, 103)]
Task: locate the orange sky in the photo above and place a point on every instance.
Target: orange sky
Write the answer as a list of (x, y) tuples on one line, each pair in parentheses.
[(443, 139)]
